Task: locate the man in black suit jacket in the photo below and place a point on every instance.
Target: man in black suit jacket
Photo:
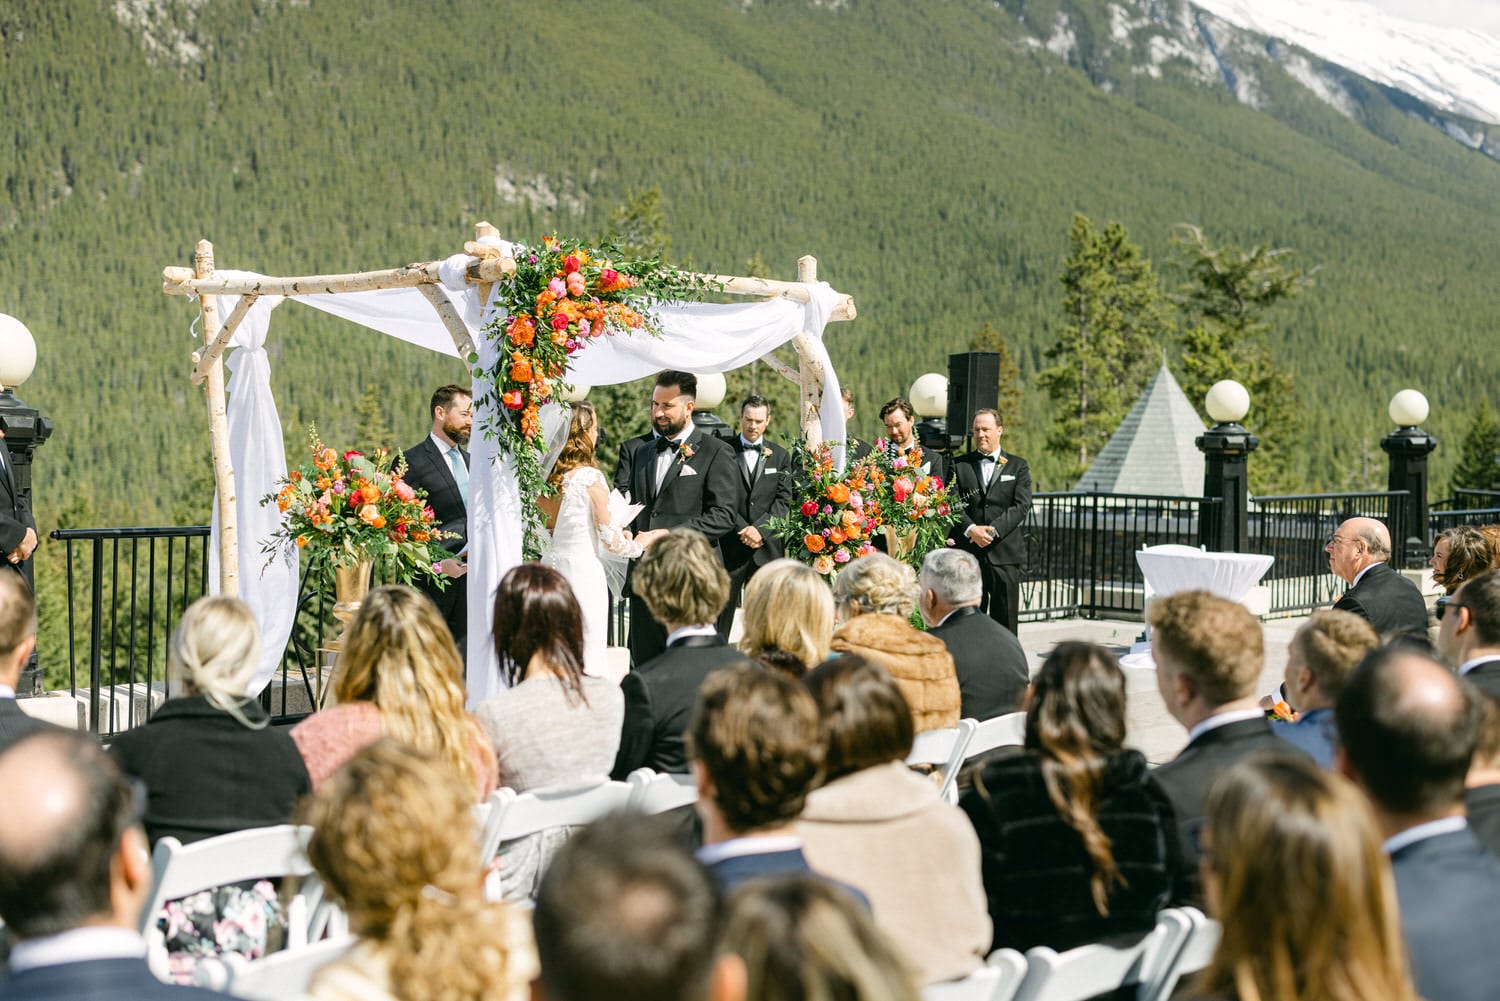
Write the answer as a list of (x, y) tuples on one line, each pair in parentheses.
[(17, 640), (1357, 553), (899, 418), (17, 528), (1469, 633), (995, 491), (439, 464), (685, 478), (1209, 652), (684, 586), (766, 480), (75, 871), (1408, 729), (992, 669)]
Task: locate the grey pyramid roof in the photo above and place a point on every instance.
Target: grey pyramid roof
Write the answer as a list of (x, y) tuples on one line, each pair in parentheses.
[(1152, 451)]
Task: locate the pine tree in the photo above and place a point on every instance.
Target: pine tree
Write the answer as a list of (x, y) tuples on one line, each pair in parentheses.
[(373, 432), (1479, 461), (1116, 316), (638, 226)]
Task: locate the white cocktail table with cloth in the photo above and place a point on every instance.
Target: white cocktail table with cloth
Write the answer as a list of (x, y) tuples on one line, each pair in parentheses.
[(1169, 569)]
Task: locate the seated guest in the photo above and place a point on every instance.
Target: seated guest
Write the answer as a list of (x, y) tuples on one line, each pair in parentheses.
[(1407, 732), (802, 939), (788, 610), (878, 825), (991, 666), (1079, 842), (75, 871), (756, 755), (211, 765), (1208, 652), (398, 675), (684, 585), (1292, 869), (394, 842), (1357, 553), (1458, 554), (874, 596), (624, 912), (1482, 784), (17, 640), (1469, 633), (1322, 654), (553, 725)]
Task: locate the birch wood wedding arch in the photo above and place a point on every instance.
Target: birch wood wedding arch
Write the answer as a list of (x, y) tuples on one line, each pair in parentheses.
[(457, 290)]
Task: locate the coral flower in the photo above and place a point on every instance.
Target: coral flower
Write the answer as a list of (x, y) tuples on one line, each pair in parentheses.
[(823, 565), (559, 322), (370, 514), (576, 284), (813, 543), (522, 332), (838, 493), (513, 400), (520, 370), (404, 491), (572, 263), (836, 536)]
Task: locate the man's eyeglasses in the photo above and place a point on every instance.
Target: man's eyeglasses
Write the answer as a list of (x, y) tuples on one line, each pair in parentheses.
[(1443, 605)]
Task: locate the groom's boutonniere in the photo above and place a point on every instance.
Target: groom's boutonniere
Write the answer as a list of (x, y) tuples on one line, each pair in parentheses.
[(684, 453)]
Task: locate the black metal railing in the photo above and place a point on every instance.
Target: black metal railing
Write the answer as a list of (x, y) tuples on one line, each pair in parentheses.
[(126, 589), (1471, 501)]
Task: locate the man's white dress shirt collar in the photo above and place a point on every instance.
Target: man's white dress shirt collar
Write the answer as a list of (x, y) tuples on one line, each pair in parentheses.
[(738, 847), (77, 945), (1372, 566), (1422, 832), (1222, 719)]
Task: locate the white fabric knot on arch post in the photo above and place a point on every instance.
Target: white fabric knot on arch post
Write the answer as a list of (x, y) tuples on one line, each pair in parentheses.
[(444, 306)]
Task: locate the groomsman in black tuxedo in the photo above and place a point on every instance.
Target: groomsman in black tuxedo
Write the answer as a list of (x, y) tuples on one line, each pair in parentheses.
[(766, 477), (439, 464), (685, 477), (994, 488), (899, 418), (17, 528)]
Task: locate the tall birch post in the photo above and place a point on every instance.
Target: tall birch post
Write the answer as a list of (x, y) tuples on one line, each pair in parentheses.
[(218, 428), (810, 371)]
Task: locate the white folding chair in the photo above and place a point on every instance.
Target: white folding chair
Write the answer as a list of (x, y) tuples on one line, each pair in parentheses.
[(1001, 731), (944, 750), (515, 815), (997, 980), (258, 853), (658, 792), (285, 974), (1196, 936), (1089, 970)]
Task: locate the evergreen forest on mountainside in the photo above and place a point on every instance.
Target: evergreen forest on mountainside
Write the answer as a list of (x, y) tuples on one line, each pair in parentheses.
[(930, 155)]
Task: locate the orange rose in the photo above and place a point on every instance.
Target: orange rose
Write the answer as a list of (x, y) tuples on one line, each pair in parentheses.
[(838, 493), (521, 331), (836, 535), (301, 541), (813, 543), (520, 369), (370, 515)]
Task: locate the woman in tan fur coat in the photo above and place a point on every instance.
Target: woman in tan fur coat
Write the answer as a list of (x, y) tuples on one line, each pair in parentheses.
[(875, 596)]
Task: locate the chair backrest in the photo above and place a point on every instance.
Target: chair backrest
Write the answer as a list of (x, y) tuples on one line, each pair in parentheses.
[(1089, 970), (1001, 731), (515, 815), (658, 792), (1193, 938), (997, 980), (258, 853), (285, 974), (943, 749)]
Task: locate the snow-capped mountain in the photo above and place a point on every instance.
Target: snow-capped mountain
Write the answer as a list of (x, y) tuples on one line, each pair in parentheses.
[(1452, 70)]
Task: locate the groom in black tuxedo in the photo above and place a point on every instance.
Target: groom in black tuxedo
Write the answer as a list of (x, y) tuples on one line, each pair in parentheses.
[(439, 464), (766, 479), (995, 490), (685, 478)]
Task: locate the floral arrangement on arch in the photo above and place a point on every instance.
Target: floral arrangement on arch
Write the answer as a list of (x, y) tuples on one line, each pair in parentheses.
[(562, 296), (345, 508)]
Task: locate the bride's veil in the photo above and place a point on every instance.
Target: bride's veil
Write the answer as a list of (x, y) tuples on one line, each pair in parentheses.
[(556, 419)]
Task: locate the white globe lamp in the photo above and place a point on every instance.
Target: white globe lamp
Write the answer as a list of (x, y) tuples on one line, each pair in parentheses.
[(1227, 402), (17, 352), (1408, 408), (929, 395), (711, 391), (576, 393)]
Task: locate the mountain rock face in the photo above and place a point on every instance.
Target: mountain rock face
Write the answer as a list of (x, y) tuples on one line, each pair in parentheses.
[(1344, 53)]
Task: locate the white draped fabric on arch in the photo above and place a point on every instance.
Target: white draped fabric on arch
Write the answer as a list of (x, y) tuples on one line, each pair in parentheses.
[(696, 337)]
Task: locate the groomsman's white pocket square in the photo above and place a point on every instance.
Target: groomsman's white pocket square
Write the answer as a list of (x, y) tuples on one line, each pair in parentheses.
[(770, 472), (690, 471), (1006, 478)]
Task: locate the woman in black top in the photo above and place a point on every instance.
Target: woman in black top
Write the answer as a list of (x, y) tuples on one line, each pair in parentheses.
[(1078, 842)]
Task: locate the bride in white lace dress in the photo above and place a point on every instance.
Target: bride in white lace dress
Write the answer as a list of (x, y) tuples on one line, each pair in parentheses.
[(583, 535)]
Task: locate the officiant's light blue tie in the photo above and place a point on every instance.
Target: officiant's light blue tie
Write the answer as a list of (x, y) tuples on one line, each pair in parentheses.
[(460, 474)]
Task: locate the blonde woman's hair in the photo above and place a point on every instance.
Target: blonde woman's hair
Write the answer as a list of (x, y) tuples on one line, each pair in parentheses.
[(395, 842), (1304, 889), (877, 583), (214, 652), (803, 939), (398, 653), (682, 580), (788, 607)]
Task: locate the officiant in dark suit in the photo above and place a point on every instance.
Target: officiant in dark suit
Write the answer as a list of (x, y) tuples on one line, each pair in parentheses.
[(685, 477), (994, 488), (17, 528), (439, 464), (766, 478)]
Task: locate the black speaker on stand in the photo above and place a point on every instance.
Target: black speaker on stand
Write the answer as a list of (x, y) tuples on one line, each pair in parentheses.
[(973, 384)]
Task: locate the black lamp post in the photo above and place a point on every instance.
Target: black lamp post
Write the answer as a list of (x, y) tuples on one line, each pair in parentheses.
[(25, 429), (1408, 447), (1226, 446)]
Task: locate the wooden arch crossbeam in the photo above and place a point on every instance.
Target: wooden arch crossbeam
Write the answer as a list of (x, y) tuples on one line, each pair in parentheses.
[(490, 265)]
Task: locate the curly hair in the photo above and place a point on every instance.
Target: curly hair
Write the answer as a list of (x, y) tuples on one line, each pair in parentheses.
[(577, 450), (876, 583), (394, 840), (1470, 553)]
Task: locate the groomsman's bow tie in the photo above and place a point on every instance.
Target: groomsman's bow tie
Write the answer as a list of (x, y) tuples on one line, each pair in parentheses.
[(745, 446), (990, 456)]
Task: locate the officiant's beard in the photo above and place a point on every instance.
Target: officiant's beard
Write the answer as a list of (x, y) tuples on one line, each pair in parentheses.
[(457, 433)]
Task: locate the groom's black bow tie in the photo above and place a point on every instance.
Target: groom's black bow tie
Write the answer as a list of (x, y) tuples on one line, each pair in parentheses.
[(662, 444)]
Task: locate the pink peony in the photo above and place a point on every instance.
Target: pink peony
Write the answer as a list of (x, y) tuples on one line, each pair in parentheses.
[(404, 491), (584, 327), (842, 556), (557, 288), (902, 488)]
